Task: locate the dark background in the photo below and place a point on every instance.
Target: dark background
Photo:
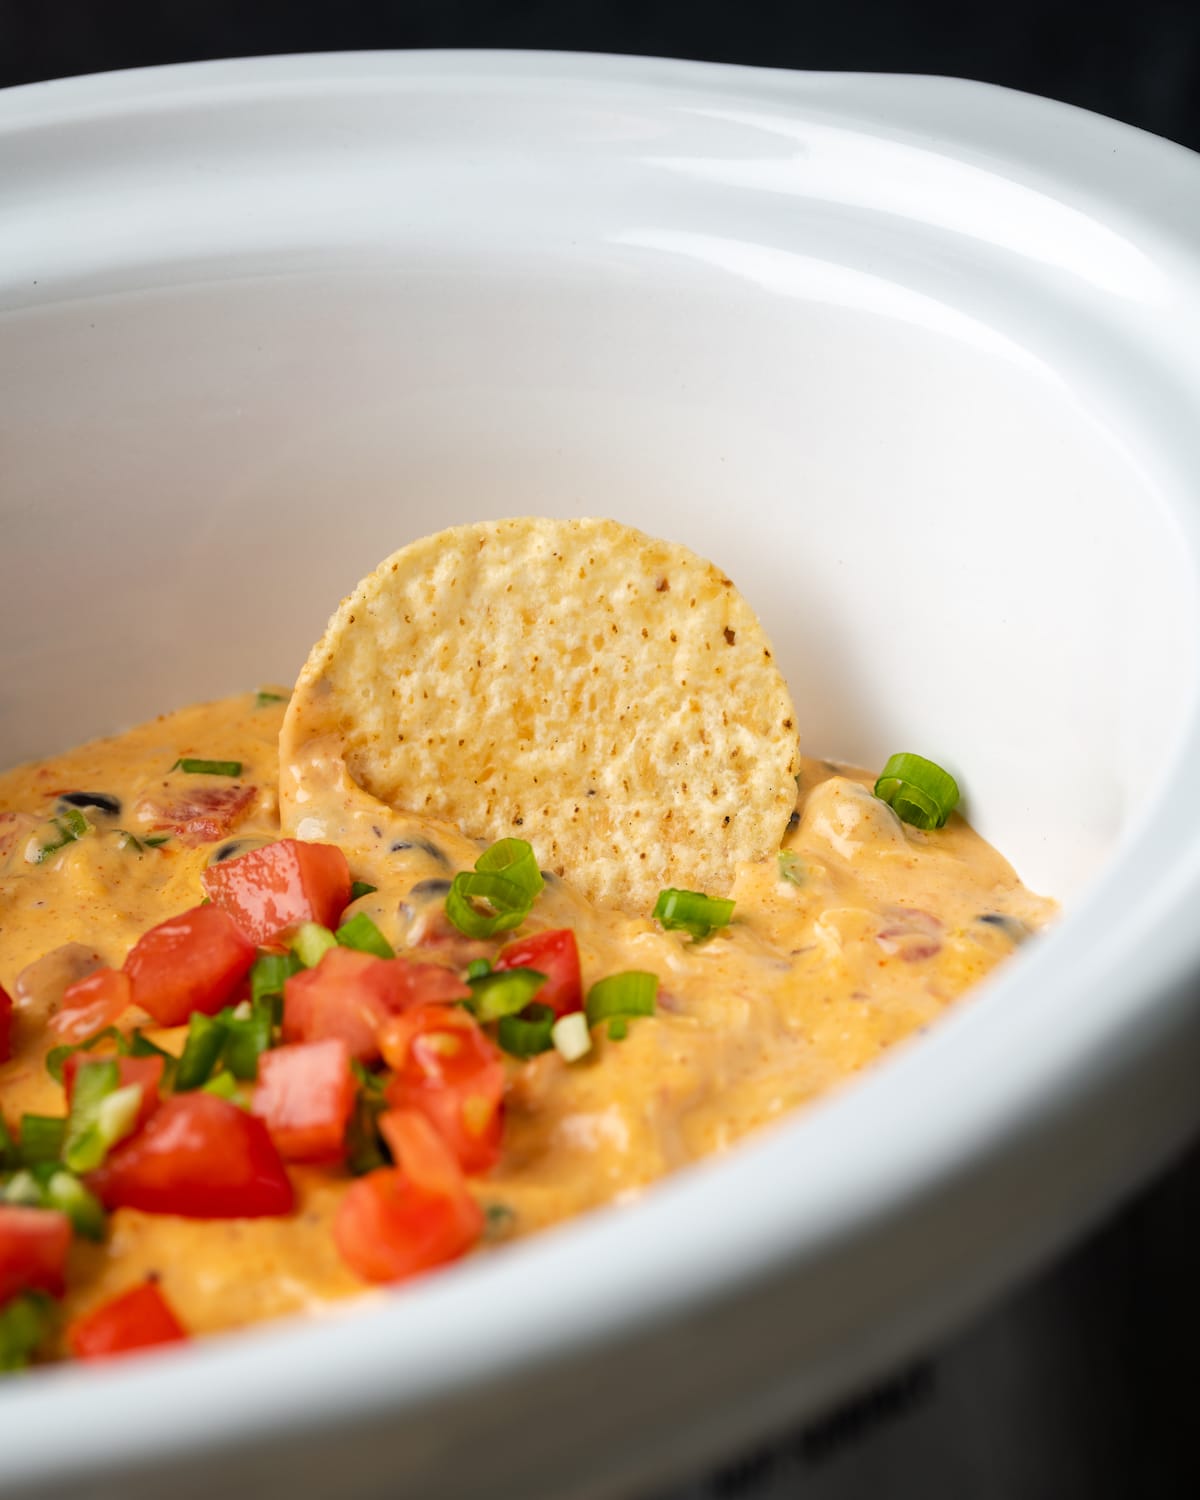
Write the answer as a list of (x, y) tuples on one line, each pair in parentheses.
[(1139, 62), (1085, 1385)]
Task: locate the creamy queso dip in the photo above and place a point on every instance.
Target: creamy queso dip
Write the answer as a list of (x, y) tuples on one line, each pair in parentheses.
[(859, 936)]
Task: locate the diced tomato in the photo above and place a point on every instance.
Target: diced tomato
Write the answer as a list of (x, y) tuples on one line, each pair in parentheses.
[(269, 892), (351, 994), (448, 1068), (6, 1012), (555, 955), (201, 815), (33, 1250), (136, 1319), (90, 1004), (199, 1156), (146, 1071), (192, 962), (399, 1221), (305, 1093)]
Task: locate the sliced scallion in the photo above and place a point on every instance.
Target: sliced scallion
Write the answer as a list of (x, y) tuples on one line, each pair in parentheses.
[(57, 834), (507, 877), (42, 1137), (791, 867), (692, 911), (25, 1324), (265, 696), (192, 767), (917, 790), (527, 1034), (503, 993), (271, 973), (223, 1084), (571, 1036), (102, 1113), (201, 1052), (629, 994), (311, 943), (618, 1029), (362, 934), (477, 968), (67, 1194), (361, 888)]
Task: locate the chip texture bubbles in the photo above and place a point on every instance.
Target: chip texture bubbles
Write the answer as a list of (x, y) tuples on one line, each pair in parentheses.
[(607, 696)]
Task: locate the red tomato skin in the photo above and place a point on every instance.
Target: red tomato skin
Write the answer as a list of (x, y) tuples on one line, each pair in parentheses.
[(350, 995), (461, 1092), (201, 1157), (305, 1094), (194, 961), (33, 1251), (387, 1228), (97, 1000), (270, 892), (6, 1015), (556, 955), (146, 1071), (137, 1319), (199, 816)]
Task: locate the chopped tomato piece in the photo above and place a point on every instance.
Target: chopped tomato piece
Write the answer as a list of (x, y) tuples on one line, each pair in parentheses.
[(201, 815), (448, 1068), (269, 892), (556, 955), (146, 1071), (191, 962), (33, 1250), (305, 1093), (398, 1221), (90, 1004), (199, 1156), (351, 994), (137, 1319), (6, 1012)]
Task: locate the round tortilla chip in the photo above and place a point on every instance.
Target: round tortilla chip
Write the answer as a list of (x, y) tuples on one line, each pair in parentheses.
[(607, 696)]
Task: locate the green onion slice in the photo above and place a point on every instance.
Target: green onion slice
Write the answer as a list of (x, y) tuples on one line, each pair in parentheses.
[(223, 1084), (503, 993), (691, 911), (270, 975), (42, 1137), (791, 867), (361, 888), (365, 1149), (67, 1194), (361, 933), (477, 968), (618, 1030), (57, 834), (527, 1034), (25, 1324), (10, 1153), (265, 696), (102, 1113), (311, 943), (507, 877), (201, 1052), (208, 767), (629, 994), (917, 790), (247, 1038)]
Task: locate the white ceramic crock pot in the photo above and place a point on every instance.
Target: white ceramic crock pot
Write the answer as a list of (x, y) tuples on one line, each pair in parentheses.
[(919, 362)]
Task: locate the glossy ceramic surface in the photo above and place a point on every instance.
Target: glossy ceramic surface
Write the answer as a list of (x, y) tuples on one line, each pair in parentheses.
[(916, 360)]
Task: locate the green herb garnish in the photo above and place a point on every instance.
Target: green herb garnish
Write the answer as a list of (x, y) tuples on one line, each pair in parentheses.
[(208, 767), (917, 790), (691, 911)]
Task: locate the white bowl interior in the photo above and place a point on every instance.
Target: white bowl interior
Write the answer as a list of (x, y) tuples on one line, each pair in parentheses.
[(937, 532), (930, 400)]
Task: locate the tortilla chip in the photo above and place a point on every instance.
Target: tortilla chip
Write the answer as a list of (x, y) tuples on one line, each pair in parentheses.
[(609, 697)]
